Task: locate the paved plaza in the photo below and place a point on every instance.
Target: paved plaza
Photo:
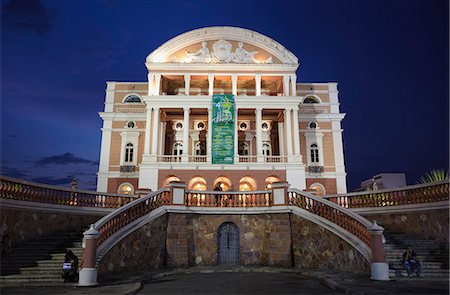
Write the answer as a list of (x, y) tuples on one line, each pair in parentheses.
[(244, 280)]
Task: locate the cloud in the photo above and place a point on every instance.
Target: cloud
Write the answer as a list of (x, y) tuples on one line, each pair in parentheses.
[(53, 181), (28, 15), (64, 159), (12, 172)]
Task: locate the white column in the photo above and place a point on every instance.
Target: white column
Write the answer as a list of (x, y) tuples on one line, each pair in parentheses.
[(236, 135), (148, 124), (259, 155), (103, 170), (162, 137), (209, 137), (187, 84), (211, 83), (151, 78), (234, 79), (157, 84), (258, 84), (294, 85), (296, 134), (281, 139), (286, 85), (155, 133), (341, 183), (288, 133), (185, 157)]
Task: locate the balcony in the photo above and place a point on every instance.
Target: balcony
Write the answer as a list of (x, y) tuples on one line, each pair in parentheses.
[(127, 169), (316, 169)]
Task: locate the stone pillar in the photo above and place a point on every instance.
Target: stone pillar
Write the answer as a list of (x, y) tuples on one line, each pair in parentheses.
[(379, 269), (294, 85), (280, 193), (156, 90), (185, 157), (296, 134), (258, 84), (288, 133), (286, 85), (236, 136), (187, 84), (88, 274), (177, 193), (155, 134), (259, 154), (211, 83), (151, 78), (148, 124), (281, 138), (234, 78), (162, 137)]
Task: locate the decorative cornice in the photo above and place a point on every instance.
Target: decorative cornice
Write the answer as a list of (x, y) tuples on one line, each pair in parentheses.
[(228, 33)]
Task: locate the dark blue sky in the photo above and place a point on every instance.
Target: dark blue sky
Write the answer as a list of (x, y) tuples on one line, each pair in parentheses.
[(390, 59)]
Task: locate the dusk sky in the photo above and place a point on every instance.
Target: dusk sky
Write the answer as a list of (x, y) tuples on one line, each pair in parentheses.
[(389, 57)]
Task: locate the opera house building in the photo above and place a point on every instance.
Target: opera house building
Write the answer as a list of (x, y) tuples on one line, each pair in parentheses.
[(222, 109)]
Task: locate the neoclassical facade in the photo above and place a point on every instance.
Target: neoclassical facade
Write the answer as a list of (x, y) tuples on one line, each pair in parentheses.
[(160, 131)]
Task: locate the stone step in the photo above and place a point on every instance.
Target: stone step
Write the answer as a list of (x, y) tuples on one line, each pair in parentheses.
[(31, 277)]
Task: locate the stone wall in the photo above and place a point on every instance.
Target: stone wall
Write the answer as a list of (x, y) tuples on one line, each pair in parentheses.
[(265, 239), (142, 250), (24, 225), (429, 224), (314, 247), (182, 240)]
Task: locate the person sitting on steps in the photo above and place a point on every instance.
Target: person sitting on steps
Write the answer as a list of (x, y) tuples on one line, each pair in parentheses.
[(412, 263), (70, 267)]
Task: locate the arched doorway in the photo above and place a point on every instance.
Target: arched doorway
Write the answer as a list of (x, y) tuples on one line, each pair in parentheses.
[(228, 244), (247, 184), (223, 182)]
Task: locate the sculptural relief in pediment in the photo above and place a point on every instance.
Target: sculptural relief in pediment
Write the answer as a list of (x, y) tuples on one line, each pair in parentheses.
[(222, 51)]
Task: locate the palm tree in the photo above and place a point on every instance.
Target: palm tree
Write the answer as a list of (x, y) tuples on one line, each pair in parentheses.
[(434, 176)]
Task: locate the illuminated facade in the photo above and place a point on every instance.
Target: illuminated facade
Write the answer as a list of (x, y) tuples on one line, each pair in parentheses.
[(159, 131)]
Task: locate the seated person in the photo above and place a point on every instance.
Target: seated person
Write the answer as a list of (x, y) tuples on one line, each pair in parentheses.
[(70, 267), (412, 263)]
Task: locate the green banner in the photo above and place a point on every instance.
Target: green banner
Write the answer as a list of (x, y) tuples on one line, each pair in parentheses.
[(223, 129)]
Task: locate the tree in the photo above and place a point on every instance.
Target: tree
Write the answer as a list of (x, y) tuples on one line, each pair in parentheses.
[(434, 176)]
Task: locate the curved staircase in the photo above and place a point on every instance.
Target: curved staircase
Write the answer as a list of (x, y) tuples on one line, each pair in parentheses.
[(39, 262), (434, 255)]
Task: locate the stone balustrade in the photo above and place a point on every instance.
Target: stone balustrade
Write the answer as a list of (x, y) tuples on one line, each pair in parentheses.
[(352, 222), (416, 194), (20, 190), (228, 199), (125, 215)]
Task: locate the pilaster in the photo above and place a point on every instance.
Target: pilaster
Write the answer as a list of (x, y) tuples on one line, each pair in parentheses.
[(185, 157), (259, 154), (211, 83)]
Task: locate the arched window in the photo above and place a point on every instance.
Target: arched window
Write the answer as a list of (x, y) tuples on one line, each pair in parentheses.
[(267, 148), (126, 189), (244, 148), (169, 180), (247, 184), (318, 189), (310, 99), (132, 98), (197, 184), (129, 153), (199, 148), (269, 180), (177, 149), (314, 153)]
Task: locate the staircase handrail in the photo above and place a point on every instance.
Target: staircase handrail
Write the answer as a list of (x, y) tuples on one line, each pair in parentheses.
[(346, 219), (123, 216), (414, 194), (22, 190)]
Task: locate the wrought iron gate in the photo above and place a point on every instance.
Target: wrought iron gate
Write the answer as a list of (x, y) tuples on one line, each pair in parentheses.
[(228, 244)]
